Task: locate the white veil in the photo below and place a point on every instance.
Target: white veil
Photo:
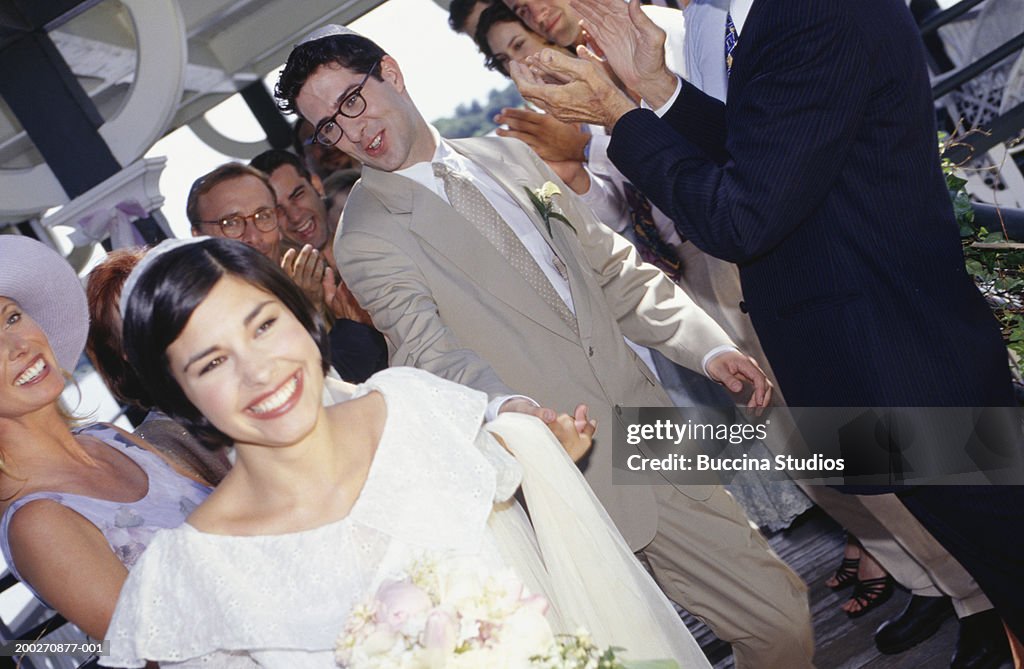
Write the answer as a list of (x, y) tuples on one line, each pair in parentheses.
[(595, 581)]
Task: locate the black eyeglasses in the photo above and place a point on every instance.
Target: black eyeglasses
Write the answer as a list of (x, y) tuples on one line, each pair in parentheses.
[(264, 219), (329, 133)]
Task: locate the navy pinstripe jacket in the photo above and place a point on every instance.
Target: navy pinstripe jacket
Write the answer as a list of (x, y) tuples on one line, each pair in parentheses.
[(820, 178)]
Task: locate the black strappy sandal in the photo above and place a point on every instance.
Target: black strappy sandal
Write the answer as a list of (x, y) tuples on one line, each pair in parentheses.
[(846, 574), (871, 593)]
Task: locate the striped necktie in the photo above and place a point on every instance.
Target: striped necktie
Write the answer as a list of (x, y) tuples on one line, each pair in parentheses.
[(466, 199), (730, 42)]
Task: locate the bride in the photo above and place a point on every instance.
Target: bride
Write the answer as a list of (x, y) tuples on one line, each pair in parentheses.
[(324, 504)]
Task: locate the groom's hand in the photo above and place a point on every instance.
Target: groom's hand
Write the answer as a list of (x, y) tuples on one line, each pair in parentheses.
[(575, 433), (733, 369)]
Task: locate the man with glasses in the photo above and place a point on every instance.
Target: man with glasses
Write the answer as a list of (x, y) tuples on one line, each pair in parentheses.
[(238, 201), (443, 245)]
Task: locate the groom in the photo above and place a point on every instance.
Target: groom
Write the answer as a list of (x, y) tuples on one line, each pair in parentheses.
[(444, 248)]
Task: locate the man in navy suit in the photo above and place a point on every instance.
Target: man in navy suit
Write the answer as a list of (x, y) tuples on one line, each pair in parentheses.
[(820, 178)]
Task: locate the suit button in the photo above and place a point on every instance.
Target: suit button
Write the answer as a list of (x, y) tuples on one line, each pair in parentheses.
[(618, 409), (590, 351), (743, 307)]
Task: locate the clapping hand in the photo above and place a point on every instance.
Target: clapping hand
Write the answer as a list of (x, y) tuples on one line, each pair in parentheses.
[(733, 369), (633, 45), (551, 139), (309, 272), (581, 89), (342, 303), (573, 90), (558, 144)]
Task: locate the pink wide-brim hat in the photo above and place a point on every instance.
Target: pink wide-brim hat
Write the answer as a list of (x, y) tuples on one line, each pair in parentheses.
[(47, 288)]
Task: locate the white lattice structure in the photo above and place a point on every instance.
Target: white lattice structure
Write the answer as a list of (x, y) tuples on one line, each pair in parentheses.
[(994, 176)]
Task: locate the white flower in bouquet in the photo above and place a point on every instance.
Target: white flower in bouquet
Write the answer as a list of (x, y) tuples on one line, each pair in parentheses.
[(526, 631)]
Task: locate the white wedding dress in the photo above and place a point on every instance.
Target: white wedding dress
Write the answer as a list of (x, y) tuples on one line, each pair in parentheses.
[(439, 486)]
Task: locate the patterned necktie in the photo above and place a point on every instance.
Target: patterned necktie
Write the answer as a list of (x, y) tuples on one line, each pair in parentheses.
[(730, 42), (468, 201), (648, 241)]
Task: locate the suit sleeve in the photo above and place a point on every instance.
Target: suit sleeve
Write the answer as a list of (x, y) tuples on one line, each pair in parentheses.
[(650, 308), (606, 201), (387, 283), (790, 125)]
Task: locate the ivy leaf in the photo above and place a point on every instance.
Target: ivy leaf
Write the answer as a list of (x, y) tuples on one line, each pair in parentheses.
[(975, 267), (954, 183), (963, 210)]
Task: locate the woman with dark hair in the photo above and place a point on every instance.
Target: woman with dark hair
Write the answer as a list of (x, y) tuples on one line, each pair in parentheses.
[(106, 352), (324, 504), (78, 508), (502, 37)]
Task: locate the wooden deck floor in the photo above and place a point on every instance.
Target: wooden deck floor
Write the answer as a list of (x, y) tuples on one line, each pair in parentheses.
[(812, 547)]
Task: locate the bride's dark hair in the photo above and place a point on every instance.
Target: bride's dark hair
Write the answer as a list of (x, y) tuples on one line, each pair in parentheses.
[(167, 293)]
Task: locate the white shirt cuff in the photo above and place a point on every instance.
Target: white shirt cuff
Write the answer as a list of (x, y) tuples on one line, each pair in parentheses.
[(494, 406), (663, 109), (718, 350)]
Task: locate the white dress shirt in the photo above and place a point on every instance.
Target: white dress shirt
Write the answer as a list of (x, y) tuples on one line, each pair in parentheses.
[(739, 9), (705, 46)]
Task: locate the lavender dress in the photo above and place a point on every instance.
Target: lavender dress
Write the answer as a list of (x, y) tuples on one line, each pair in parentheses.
[(127, 526)]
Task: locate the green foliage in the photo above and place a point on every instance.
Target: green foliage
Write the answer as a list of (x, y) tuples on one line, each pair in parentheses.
[(476, 119), (997, 267)]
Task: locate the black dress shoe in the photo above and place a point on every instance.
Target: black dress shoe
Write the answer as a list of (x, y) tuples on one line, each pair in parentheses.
[(981, 642), (919, 620)]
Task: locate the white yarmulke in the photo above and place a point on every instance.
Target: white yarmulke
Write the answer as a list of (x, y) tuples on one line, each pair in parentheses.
[(47, 288), (330, 30)]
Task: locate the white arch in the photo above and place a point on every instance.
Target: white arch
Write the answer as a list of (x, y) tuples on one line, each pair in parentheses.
[(162, 49), (217, 141)]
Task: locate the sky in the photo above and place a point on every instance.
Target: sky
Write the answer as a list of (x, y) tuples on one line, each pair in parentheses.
[(442, 71)]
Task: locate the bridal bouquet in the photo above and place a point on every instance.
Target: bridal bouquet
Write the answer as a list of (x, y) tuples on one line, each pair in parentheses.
[(460, 616)]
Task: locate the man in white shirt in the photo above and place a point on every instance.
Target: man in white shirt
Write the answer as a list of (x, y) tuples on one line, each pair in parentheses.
[(543, 313)]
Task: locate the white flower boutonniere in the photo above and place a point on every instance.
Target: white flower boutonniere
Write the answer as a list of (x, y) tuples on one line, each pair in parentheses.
[(543, 199)]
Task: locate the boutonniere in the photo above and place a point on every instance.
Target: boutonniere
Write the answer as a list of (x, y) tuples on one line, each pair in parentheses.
[(543, 199)]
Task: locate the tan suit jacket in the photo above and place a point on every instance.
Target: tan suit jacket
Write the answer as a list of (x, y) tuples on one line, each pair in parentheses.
[(449, 303)]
